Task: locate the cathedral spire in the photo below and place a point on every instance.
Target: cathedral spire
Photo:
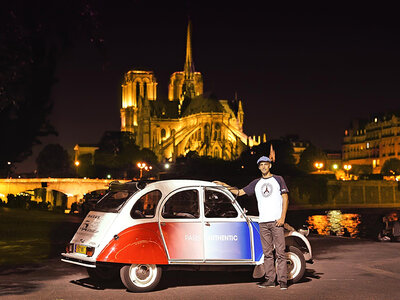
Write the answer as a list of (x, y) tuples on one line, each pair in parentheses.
[(189, 66)]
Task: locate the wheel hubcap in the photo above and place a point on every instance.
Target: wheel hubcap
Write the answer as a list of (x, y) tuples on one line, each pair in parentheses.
[(142, 272), (143, 275)]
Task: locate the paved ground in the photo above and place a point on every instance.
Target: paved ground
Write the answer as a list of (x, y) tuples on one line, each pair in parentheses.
[(344, 269)]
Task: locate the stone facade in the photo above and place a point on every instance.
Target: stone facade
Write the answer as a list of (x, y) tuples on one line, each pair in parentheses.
[(370, 143)]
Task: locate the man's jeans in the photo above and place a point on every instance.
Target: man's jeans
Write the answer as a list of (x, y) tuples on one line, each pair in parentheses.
[(273, 235)]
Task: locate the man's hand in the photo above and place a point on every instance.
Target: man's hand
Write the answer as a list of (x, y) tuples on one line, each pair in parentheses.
[(220, 183), (280, 222)]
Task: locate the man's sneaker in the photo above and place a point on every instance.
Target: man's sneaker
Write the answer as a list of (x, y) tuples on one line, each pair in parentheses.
[(283, 286), (266, 284)]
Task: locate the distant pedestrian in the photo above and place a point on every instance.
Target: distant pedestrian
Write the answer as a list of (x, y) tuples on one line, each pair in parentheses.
[(272, 198)]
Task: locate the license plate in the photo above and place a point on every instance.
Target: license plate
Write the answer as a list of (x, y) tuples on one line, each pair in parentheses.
[(80, 249)]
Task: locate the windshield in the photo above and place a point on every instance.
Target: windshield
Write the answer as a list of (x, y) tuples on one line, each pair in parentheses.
[(113, 201)]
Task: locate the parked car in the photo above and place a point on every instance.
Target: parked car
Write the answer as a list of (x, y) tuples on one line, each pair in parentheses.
[(90, 199), (139, 231)]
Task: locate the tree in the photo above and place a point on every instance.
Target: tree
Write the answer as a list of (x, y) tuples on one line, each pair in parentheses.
[(391, 167), (54, 161), (33, 37), (118, 155), (309, 157), (86, 167), (284, 161)]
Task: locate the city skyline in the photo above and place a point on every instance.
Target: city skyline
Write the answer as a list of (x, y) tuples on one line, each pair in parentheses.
[(306, 71)]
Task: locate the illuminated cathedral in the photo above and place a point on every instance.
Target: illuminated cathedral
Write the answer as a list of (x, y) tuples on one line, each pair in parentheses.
[(187, 121)]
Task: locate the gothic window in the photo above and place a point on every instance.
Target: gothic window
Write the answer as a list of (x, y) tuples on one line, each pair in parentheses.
[(145, 90), (163, 133), (216, 153), (217, 132), (137, 91), (207, 133), (199, 134)]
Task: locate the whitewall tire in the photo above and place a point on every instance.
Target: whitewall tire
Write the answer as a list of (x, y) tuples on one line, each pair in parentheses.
[(140, 278), (296, 264)]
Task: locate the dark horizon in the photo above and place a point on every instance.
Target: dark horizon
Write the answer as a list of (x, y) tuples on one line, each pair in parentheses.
[(299, 70)]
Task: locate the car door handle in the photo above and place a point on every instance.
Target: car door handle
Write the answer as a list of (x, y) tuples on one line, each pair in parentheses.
[(207, 224)]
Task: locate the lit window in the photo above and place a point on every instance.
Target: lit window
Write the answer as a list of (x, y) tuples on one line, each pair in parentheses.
[(367, 145)]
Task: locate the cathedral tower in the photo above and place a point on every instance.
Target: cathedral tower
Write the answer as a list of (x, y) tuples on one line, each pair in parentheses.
[(186, 83), (137, 87)]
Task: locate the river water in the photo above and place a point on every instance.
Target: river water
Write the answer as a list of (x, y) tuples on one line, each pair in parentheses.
[(355, 223)]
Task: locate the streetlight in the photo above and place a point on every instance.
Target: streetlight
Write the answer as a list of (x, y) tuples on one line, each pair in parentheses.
[(319, 166), (141, 166), (347, 168), (9, 169), (77, 163)]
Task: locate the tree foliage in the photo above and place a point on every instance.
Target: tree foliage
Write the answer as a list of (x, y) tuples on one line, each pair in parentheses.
[(118, 155), (309, 156), (33, 37), (391, 167), (54, 161)]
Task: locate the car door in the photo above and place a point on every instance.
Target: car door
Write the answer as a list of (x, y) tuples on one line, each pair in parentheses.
[(181, 225), (226, 231)]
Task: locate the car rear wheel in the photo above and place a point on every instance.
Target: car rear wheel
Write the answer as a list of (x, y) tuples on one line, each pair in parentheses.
[(296, 264), (140, 278)]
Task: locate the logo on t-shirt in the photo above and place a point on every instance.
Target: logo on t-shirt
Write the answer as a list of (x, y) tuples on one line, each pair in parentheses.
[(266, 189)]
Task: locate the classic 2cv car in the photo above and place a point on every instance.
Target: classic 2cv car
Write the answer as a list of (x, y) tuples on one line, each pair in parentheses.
[(140, 230)]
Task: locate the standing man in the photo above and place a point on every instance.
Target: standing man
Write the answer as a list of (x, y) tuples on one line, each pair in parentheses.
[(272, 198)]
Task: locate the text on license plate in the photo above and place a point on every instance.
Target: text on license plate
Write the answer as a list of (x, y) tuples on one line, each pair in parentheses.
[(80, 249)]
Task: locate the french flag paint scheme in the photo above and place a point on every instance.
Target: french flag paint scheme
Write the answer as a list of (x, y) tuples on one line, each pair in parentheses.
[(184, 240), (140, 244), (227, 241), (258, 251)]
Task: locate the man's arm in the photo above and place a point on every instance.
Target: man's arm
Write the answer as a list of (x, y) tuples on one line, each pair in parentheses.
[(285, 203), (233, 190)]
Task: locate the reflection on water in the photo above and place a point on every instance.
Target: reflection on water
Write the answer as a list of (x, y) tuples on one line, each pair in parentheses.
[(335, 223)]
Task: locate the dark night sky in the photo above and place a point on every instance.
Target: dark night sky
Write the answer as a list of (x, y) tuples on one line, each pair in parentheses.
[(306, 70)]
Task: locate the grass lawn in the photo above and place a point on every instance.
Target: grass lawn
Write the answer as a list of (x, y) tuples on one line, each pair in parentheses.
[(30, 236)]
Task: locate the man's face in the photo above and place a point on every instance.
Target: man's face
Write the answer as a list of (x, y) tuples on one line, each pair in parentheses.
[(264, 167)]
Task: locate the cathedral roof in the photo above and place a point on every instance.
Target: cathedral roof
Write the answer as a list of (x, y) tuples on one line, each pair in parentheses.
[(164, 109), (201, 104)]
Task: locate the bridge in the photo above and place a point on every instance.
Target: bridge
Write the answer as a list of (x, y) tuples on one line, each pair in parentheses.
[(74, 188), (336, 194)]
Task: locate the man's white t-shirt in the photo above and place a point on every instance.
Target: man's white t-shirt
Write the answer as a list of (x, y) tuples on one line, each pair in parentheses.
[(268, 192)]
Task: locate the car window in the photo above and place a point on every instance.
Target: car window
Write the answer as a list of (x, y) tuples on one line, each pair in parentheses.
[(113, 201), (218, 205), (182, 205), (145, 207)]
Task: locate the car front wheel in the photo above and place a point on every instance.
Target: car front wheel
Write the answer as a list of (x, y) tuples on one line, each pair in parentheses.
[(140, 278), (296, 264)]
